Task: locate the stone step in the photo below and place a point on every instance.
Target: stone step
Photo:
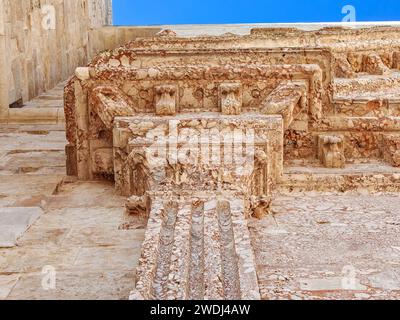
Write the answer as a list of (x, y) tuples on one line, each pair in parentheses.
[(373, 177)]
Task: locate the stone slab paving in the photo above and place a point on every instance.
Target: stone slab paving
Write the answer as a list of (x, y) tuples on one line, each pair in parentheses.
[(14, 222), (51, 99), (329, 246), (75, 234)]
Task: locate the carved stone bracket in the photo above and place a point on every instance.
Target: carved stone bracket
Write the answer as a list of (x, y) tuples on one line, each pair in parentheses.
[(110, 102), (331, 151), (343, 68)]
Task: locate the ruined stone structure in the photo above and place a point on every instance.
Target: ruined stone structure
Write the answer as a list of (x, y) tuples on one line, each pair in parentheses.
[(137, 115)]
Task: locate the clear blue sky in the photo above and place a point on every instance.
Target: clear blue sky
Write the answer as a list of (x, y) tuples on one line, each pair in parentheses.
[(151, 12)]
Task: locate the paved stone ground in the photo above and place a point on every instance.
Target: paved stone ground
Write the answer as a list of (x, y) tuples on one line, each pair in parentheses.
[(77, 233), (50, 99), (326, 245)]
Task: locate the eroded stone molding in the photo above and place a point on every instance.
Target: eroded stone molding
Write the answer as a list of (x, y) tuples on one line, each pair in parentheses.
[(285, 98), (391, 149), (197, 248)]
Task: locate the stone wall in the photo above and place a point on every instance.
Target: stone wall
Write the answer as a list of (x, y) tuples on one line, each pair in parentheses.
[(43, 41)]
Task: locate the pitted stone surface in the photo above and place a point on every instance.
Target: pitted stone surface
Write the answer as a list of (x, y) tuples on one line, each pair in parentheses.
[(329, 246)]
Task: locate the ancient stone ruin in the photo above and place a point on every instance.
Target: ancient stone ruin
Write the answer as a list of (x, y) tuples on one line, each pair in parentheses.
[(199, 133)]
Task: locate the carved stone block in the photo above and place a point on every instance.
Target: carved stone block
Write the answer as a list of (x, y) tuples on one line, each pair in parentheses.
[(331, 151), (343, 68), (166, 99), (230, 98)]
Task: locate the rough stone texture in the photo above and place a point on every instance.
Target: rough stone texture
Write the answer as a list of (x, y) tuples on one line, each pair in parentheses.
[(391, 149)]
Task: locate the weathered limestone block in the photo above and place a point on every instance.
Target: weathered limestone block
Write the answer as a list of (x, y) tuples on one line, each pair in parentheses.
[(230, 98), (373, 64), (331, 151), (166, 100), (137, 212), (391, 149), (138, 206)]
